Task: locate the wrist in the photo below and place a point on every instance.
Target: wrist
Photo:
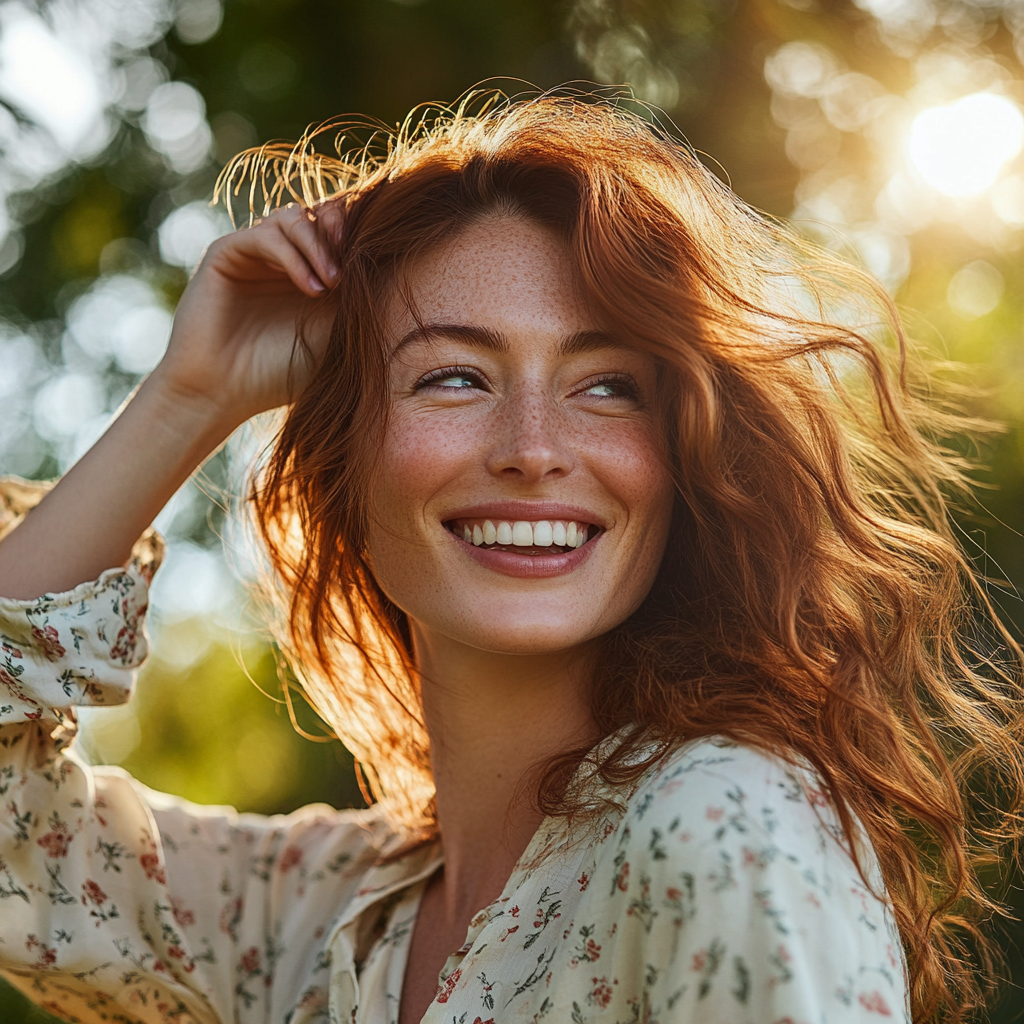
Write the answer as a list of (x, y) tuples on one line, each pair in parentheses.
[(198, 419)]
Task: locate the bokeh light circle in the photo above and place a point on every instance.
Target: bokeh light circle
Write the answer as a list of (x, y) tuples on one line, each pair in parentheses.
[(960, 148)]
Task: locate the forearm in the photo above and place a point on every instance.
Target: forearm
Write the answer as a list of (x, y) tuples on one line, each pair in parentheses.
[(92, 517)]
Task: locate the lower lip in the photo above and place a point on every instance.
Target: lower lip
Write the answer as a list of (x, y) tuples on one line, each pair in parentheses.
[(528, 566)]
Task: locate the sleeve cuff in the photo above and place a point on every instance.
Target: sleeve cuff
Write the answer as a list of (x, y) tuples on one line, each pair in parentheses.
[(76, 648)]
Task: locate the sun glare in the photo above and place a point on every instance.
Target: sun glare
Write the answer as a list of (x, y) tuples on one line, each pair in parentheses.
[(960, 148)]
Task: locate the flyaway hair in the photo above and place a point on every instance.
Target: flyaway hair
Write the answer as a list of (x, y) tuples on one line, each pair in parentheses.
[(813, 601)]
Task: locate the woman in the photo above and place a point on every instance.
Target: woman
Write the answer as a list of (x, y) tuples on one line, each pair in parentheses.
[(612, 547)]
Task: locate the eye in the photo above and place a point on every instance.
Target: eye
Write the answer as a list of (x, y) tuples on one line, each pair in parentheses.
[(611, 387), (451, 378), (606, 389)]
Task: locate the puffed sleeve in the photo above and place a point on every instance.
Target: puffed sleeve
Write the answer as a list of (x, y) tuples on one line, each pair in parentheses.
[(738, 902), (117, 903), (82, 647)]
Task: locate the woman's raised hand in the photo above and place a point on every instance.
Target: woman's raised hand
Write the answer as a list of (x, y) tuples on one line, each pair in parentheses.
[(232, 354), (232, 345)]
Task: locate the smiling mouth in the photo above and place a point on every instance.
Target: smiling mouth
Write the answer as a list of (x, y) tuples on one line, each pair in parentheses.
[(524, 537)]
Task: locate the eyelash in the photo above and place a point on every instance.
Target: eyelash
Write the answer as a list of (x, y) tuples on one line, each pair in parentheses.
[(625, 382), (446, 372)]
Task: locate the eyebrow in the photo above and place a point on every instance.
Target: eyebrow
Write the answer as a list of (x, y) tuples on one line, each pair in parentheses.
[(494, 341)]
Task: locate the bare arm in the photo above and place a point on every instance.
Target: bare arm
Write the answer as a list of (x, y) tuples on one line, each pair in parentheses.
[(231, 356)]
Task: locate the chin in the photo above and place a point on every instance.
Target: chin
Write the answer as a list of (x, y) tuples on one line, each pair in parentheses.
[(525, 641), (531, 634)]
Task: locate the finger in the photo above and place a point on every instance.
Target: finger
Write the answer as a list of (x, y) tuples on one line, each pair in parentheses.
[(330, 219), (299, 226), (273, 248)]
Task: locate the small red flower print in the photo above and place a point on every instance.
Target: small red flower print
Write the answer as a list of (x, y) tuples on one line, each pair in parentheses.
[(673, 894), (49, 640), (291, 856), (584, 881), (861, 895), (47, 956), (445, 991), (874, 1003), (12, 651), (150, 864), (250, 960), (313, 999), (816, 797), (230, 915), (181, 915), (508, 931), (602, 993), (700, 960), (56, 842), (92, 893), (176, 952), (33, 716), (622, 882), (514, 912), (593, 950), (714, 813), (124, 646), (480, 1020)]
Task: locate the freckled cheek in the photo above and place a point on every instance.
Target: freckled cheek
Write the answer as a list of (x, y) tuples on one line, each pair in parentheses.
[(632, 467), (417, 458)]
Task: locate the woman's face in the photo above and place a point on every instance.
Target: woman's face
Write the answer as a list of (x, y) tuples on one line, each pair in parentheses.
[(522, 500)]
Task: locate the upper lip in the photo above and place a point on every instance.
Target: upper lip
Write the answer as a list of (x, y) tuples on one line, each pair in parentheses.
[(529, 511)]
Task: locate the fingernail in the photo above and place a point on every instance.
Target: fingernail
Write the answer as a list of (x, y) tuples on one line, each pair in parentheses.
[(317, 285)]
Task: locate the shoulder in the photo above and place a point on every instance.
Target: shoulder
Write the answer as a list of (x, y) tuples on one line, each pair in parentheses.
[(729, 870), (725, 812), (715, 784)]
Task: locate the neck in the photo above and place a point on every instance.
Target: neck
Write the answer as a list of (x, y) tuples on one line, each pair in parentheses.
[(492, 719)]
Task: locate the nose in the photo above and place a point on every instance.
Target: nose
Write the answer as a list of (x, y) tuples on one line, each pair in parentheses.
[(531, 441)]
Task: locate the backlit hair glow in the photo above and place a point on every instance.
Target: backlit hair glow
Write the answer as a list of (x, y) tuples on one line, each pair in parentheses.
[(813, 601)]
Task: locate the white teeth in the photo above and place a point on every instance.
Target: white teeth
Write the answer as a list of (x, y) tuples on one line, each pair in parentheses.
[(522, 534), (543, 534)]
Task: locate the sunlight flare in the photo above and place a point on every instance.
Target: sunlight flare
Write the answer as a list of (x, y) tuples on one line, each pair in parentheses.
[(960, 148)]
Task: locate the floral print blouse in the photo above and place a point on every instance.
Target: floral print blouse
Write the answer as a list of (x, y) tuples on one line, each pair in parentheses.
[(718, 891)]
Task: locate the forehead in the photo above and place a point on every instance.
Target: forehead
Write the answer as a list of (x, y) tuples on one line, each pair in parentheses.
[(503, 272)]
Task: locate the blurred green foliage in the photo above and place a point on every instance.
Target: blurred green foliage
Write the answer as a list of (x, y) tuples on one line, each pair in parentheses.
[(219, 731), (199, 726)]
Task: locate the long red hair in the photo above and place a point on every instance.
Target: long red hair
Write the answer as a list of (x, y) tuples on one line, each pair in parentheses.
[(813, 601)]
